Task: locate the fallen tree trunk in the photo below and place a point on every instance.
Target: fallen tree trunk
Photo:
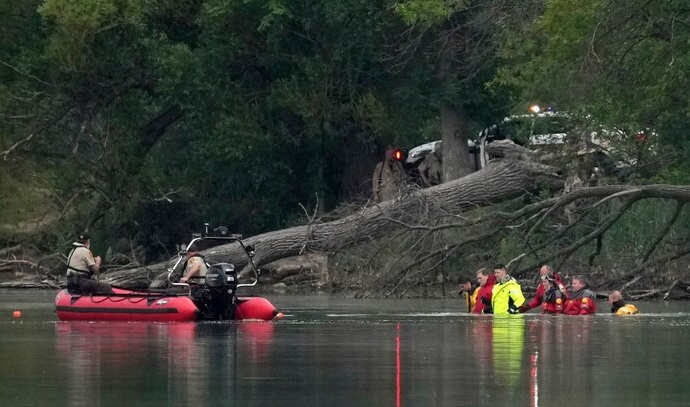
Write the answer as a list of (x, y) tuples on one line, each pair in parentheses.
[(499, 181), (546, 230)]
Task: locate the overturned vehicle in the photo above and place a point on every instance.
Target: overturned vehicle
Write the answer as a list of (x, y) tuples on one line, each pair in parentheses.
[(568, 140)]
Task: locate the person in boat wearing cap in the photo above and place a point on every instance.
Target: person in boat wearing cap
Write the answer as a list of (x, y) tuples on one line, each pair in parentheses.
[(582, 301), (554, 300), (486, 279), (82, 267), (506, 296), (618, 306), (468, 288), (195, 267), (545, 272)]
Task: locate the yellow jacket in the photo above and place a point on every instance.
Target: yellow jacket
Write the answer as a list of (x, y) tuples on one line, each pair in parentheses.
[(628, 309), (471, 299), (506, 297)]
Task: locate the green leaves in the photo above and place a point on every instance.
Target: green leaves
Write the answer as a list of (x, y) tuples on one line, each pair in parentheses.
[(428, 12), (76, 23), (278, 100), (623, 63), (277, 11)]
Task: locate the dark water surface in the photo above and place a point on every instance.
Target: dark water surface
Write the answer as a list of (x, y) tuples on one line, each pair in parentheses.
[(337, 352)]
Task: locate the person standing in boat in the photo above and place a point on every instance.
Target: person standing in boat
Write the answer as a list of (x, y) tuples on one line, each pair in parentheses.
[(582, 301), (506, 295), (82, 267), (195, 268), (618, 306)]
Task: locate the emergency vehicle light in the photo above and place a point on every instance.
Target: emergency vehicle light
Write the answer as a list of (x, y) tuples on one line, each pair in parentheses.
[(398, 155)]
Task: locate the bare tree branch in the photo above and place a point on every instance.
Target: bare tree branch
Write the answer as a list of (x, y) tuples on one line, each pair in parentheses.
[(667, 228), (15, 145), (19, 71)]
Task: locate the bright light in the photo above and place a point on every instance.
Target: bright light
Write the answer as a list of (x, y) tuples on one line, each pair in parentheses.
[(534, 109), (398, 155)]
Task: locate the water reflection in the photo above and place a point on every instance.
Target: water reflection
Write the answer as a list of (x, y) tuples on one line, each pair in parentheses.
[(258, 338), (560, 350), (528, 360), (481, 341), (508, 340), (343, 353), (176, 363)]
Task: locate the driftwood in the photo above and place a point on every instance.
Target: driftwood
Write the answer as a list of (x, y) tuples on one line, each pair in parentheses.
[(24, 284), (678, 290)]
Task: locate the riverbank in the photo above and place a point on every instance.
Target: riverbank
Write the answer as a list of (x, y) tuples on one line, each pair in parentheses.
[(313, 274), (677, 292)]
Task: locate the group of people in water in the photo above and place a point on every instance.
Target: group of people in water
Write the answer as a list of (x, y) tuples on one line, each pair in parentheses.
[(496, 292)]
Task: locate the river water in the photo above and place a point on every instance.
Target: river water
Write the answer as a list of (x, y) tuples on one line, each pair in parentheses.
[(339, 352)]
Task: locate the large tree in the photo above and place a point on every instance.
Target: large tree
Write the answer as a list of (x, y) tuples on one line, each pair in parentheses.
[(140, 119), (82, 110), (137, 112), (457, 43), (623, 63)]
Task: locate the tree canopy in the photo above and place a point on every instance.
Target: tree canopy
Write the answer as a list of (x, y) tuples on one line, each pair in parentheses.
[(140, 120)]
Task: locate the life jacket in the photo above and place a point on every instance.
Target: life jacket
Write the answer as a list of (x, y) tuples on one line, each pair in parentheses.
[(627, 309), (471, 298), (75, 271), (554, 301), (621, 308)]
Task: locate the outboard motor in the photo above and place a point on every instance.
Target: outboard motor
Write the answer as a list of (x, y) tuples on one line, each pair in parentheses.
[(222, 276), (217, 300)]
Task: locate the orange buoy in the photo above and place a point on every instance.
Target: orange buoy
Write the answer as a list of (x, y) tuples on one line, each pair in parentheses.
[(17, 314)]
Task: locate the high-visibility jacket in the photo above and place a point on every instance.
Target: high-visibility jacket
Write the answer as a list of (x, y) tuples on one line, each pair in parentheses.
[(507, 297)]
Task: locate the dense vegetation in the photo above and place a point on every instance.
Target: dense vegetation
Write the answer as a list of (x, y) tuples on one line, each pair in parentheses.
[(140, 120)]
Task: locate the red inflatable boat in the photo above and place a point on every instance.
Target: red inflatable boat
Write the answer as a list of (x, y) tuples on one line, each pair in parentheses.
[(127, 305), (214, 299)]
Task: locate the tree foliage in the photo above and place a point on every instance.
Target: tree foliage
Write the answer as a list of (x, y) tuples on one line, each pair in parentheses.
[(624, 63), (140, 120), (214, 105)]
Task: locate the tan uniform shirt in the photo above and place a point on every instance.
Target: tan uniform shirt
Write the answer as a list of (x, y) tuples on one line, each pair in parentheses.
[(198, 277), (80, 259)]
